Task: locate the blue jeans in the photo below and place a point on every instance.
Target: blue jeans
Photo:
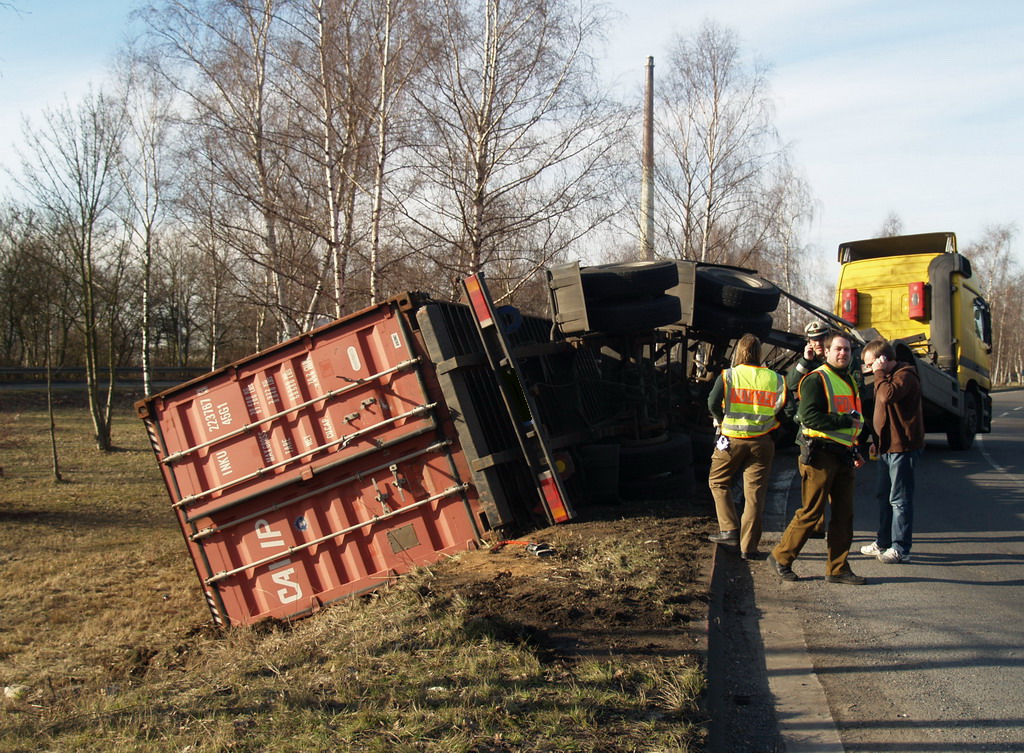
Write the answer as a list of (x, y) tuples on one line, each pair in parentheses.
[(895, 492)]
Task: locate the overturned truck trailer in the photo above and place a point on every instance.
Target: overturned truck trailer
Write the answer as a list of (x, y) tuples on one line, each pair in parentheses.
[(331, 463), (327, 465)]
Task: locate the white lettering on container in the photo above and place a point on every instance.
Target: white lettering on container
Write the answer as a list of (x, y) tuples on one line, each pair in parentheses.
[(263, 440), (292, 591), (328, 428), (396, 340), (223, 462), (269, 538), (272, 539), (288, 446), (213, 418), (353, 358), (293, 386), (251, 403), (311, 376), (209, 416), (270, 391)]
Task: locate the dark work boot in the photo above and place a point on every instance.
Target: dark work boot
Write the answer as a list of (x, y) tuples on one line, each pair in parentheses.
[(784, 571), (725, 537)]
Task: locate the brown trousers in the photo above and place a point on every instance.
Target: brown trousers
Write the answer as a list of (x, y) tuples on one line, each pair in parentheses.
[(829, 480), (754, 458)]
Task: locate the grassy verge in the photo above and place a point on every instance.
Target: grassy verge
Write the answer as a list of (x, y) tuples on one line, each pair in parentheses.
[(106, 644)]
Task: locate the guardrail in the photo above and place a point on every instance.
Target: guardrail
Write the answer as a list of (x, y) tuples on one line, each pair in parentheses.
[(29, 375)]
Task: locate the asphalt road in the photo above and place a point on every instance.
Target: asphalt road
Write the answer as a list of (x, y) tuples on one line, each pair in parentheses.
[(929, 656)]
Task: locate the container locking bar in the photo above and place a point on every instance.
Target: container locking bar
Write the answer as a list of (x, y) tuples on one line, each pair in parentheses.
[(334, 535), (343, 442)]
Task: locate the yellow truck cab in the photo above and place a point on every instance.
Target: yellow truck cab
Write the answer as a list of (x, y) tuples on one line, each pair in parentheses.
[(918, 292)]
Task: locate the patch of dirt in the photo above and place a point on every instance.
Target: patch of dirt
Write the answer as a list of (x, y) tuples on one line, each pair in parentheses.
[(567, 615)]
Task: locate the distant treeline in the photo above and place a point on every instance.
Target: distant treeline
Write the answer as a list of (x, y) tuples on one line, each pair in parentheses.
[(21, 375)]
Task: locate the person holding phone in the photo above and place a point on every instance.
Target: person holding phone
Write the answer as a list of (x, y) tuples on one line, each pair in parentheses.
[(897, 429)]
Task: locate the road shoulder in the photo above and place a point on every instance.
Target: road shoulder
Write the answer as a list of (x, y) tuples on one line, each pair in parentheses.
[(763, 694)]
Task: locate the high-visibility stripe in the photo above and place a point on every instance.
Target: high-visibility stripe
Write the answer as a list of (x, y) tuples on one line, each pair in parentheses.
[(753, 395), (841, 398)]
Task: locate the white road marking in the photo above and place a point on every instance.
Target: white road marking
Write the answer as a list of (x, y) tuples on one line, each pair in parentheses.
[(995, 466)]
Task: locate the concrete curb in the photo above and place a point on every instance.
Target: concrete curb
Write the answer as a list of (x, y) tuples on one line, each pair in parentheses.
[(757, 657), (805, 720)]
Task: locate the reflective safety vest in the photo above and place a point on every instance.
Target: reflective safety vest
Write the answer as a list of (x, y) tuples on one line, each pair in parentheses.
[(753, 395), (842, 398)]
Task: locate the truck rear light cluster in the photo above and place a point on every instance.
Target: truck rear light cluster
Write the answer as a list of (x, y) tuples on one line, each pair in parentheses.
[(917, 300), (848, 305)]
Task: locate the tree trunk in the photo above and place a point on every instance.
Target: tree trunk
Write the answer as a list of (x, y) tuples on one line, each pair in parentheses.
[(54, 458), (101, 431), (147, 281)]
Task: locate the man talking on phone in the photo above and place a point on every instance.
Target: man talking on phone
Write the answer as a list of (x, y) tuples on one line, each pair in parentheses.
[(897, 430)]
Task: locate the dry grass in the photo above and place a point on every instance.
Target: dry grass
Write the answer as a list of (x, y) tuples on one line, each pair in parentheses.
[(105, 630)]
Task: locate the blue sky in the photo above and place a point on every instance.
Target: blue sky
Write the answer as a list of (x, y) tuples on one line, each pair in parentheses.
[(913, 107)]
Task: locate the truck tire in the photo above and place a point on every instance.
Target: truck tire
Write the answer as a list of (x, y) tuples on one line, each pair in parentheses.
[(634, 315), (736, 289), (666, 486), (716, 320), (672, 454), (960, 434), (631, 279)]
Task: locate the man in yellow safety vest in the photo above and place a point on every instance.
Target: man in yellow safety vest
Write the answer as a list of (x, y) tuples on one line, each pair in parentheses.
[(830, 424), (744, 401)]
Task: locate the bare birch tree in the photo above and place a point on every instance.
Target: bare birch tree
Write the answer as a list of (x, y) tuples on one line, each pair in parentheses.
[(891, 226), (778, 251), (514, 140), (218, 53), (398, 49), (69, 169), (715, 121), (995, 266), (330, 70), (146, 173)]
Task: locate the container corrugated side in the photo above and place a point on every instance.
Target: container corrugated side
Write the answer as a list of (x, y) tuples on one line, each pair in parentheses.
[(315, 469)]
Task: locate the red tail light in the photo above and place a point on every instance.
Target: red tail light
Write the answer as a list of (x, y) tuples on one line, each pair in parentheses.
[(848, 305), (478, 301), (917, 300)]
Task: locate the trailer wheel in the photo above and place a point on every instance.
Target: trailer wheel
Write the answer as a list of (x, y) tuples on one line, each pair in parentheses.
[(631, 279), (736, 289), (960, 434), (672, 454), (666, 486), (716, 320), (631, 316)]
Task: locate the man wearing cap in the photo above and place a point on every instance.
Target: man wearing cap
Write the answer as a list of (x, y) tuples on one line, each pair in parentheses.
[(813, 357), (830, 425), (814, 352), (745, 401)]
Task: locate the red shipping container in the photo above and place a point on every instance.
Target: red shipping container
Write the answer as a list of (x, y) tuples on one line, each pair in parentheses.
[(319, 468)]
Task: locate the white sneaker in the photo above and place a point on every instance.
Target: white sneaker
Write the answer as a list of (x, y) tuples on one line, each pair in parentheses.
[(871, 550), (893, 557)]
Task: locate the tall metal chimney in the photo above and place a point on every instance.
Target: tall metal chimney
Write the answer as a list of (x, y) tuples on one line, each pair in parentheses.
[(647, 179)]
